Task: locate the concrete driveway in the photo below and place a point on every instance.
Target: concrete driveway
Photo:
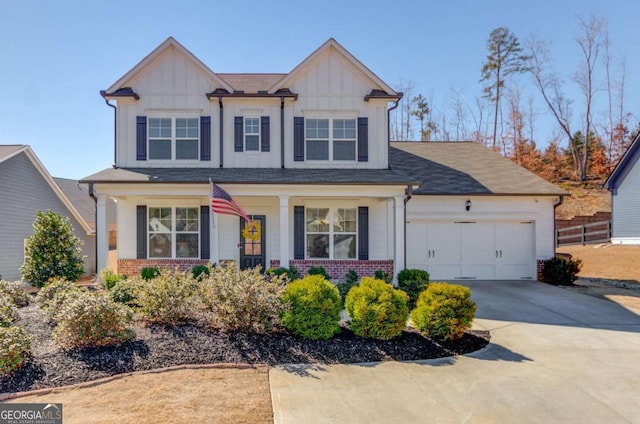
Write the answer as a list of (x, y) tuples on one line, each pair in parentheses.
[(555, 356)]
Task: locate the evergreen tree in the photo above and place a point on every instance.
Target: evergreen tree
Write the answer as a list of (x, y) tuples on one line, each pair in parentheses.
[(52, 251)]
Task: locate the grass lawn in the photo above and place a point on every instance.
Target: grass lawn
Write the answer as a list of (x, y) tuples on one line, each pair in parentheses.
[(183, 396), (615, 262)]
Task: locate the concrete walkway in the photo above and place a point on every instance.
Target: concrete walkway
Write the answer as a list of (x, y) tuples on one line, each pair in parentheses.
[(555, 356)]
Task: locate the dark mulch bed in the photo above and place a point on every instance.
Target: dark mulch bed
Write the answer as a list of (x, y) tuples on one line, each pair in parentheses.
[(159, 347)]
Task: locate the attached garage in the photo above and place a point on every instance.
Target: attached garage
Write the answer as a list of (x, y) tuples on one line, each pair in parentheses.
[(475, 214), (452, 250)]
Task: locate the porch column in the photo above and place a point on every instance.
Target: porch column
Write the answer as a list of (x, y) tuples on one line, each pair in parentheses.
[(398, 260), (102, 233), (284, 230)]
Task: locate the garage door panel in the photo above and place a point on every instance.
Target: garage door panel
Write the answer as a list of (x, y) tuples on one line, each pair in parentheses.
[(417, 245), (444, 272), (478, 271)]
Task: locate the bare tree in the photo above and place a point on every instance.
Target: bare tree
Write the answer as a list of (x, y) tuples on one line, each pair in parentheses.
[(459, 108), (401, 121), (480, 131)]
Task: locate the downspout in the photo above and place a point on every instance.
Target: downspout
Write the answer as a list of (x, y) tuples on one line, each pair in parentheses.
[(389, 132), (115, 145), (555, 227), (221, 132), (282, 131), (408, 192), (95, 223)]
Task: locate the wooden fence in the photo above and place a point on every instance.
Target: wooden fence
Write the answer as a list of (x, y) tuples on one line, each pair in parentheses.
[(595, 232)]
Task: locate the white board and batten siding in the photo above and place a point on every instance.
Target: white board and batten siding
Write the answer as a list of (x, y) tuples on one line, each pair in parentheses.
[(499, 238), (626, 209)]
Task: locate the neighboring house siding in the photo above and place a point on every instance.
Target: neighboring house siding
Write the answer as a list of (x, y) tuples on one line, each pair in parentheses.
[(24, 192), (626, 204)]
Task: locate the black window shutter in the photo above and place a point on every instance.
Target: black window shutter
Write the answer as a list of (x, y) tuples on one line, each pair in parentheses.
[(363, 139), (298, 232), (204, 233), (363, 233), (239, 134), (265, 135), (141, 138), (205, 138), (141, 232), (298, 138)]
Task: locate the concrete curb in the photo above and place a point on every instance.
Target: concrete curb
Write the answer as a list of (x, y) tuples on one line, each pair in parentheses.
[(103, 380)]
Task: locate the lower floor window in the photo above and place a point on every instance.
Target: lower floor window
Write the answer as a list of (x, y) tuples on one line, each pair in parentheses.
[(173, 232), (331, 233)]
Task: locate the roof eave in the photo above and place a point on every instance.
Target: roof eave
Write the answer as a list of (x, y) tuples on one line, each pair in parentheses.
[(630, 157), (119, 94)]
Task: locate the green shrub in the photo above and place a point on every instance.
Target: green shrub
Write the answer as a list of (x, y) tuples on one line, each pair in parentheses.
[(149, 272), (319, 270), (110, 278), (52, 251), (15, 291), (350, 279), (377, 310), (291, 273), (15, 348), (127, 291), (413, 281), (444, 311), (561, 271), (314, 308), (8, 311), (413, 274), (168, 298), (201, 271), (383, 275), (54, 294), (92, 320), (243, 300)]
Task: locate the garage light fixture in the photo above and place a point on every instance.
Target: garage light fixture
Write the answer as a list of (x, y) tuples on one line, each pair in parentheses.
[(468, 204)]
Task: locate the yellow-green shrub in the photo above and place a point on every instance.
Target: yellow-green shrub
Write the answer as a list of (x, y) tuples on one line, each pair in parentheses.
[(444, 311), (15, 348), (377, 310), (91, 320), (54, 295), (168, 298), (314, 306), (16, 292)]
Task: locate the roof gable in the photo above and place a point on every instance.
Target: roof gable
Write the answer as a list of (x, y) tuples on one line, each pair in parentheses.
[(332, 45), (152, 58), (628, 161), (8, 151), (50, 181)]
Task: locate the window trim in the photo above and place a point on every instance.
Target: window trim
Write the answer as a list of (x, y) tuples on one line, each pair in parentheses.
[(173, 232), (332, 233), (174, 138), (331, 139)]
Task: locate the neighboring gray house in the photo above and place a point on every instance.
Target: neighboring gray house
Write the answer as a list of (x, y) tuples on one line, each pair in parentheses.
[(624, 184), (26, 188)]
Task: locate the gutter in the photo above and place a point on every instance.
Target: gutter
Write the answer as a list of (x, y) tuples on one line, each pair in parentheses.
[(115, 144), (95, 224), (555, 228), (389, 129), (282, 132)]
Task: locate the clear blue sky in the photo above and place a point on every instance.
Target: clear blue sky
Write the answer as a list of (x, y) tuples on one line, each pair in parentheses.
[(57, 55)]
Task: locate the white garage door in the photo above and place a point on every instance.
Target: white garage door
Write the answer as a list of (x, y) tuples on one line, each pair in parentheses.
[(472, 250)]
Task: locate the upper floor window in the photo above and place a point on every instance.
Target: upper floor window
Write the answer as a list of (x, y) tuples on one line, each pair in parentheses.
[(252, 134), (330, 139), (174, 138)]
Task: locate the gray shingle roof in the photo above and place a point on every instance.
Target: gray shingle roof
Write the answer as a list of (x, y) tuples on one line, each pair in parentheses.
[(465, 168), (78, 195), (252, 176), (9, 149)]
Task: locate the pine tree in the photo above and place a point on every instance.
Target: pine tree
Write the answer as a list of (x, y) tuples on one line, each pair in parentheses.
[(52, 251)]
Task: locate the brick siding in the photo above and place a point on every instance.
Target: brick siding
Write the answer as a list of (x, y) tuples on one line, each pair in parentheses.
[(131, 267), (338, 268)]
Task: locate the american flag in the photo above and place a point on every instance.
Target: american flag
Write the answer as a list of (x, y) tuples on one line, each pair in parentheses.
[(221, 202)]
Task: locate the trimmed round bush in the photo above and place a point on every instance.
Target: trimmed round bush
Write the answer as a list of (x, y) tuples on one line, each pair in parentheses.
[(92, 320), (561, 271), (413, 281), (377, 310), (168, 298), (15, 348), (243, 300), (444, 311), (8, 311), (314, 308), (16, 292)]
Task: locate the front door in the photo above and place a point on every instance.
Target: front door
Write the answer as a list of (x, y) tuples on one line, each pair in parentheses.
[(252, 242)]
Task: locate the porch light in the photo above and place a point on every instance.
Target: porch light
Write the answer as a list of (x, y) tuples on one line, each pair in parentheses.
[(468, 204)]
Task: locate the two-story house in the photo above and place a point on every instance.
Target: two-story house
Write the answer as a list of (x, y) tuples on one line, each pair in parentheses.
[(307, 155)]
